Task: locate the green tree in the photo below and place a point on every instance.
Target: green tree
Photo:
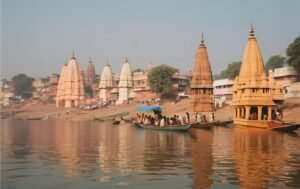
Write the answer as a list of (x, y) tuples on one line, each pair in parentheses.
[(22, 83), (232, 70), (293, 54), (160, 78), (275, 61), (137, 70)]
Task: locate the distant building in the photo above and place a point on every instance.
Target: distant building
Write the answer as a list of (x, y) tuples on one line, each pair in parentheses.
[(181, 82), (285, 76), (222, 92)]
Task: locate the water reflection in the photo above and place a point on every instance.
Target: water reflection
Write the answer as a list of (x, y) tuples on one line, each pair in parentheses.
[(90, 154)]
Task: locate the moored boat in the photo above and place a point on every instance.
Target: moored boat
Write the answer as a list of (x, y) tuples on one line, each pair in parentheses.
[(283, 126), (207, 125), (167, 128), (223, 123)]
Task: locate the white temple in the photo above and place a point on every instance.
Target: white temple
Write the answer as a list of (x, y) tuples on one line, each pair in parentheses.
[(106, 83), (70, 89), (125, 83)]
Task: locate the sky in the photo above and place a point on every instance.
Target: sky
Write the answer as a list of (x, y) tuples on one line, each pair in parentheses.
[(39, 36)]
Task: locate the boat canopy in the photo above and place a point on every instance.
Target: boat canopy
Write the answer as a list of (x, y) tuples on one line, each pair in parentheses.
[(149, 108)]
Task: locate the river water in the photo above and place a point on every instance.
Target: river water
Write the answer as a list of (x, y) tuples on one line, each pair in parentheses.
[(61, 154)]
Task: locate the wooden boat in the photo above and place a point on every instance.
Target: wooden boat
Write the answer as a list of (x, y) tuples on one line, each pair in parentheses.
[(283, 126), (166, 128), (223, 123), (199, 125), (116, 122)]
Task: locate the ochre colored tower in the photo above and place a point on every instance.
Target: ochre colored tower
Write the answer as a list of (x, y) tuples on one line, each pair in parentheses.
[(254, 95), (201, 85)]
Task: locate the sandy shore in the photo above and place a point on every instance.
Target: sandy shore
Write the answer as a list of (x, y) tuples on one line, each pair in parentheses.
[(291, 109)]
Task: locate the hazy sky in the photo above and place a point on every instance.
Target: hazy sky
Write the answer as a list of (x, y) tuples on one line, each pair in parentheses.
[(38, 36)]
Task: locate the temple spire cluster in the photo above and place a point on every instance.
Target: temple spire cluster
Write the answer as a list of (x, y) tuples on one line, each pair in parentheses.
[(201, 85), (255, 95)]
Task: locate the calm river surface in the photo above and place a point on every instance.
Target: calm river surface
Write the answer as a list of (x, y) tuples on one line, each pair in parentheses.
[(58, 154)]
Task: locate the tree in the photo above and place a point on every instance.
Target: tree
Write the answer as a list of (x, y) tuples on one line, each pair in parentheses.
[(137, 70), (22, 84), (293, 54), (160, 78), (275, 61), (232, 70)]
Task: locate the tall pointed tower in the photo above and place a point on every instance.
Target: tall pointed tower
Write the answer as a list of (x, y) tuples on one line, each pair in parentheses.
[(254, 95), (125, 83), (201, 85), (70, 90), (106, 83), (89, 75)]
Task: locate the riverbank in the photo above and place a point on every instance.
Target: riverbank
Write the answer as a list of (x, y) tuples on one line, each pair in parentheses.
[(291, 109)]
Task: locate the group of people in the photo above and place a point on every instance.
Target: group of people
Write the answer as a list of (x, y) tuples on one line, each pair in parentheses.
[(201, 118), (161, 121)]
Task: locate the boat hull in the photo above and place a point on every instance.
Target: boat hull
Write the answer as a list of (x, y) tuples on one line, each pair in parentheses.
[(166, 128), (203, 125)]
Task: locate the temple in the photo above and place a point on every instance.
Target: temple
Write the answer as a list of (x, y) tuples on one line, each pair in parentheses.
[(125, 83), (70, 89), (105, 84), (201, 85), (89, 75), (255, 96)]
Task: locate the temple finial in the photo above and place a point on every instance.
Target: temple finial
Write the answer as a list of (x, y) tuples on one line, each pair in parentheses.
[(202, 40), (126, 59), (251, 32), (107, 61), (73, 55), (90, 60)]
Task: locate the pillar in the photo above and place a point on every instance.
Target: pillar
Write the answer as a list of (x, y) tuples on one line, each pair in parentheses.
[(238, 112), (269, 113), (247, 112), (259, 112)]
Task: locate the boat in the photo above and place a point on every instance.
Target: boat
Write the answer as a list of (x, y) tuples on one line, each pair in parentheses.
[(157, 111), (283, 126), (116, 122), (224, 123), (199, 125), (166, 128)]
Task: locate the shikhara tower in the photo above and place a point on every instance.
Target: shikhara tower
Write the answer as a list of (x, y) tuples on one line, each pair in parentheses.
[(106, 83), (254, 94), (70, 89), (125, 83), (201, 85)]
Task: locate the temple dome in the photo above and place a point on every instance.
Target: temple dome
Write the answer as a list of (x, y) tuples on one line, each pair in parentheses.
[(126, 79), (253, 65), (106, 79)]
